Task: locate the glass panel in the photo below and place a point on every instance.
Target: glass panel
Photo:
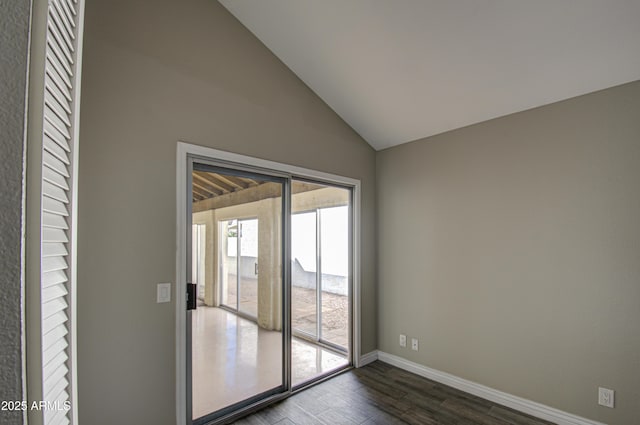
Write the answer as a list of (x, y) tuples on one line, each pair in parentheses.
[(320, 279), (229, 263), (334, 260), (198, 258), (248, 269), (303, 273), (237, 353)]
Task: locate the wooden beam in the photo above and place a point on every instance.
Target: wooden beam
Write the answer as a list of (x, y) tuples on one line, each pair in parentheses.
[(199, 192), (251, 194), (233, 181), (214, 180), (250, 182), (206, 187)]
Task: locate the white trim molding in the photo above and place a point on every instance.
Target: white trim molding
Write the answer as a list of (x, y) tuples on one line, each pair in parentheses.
[(370, 357), (514, 402)]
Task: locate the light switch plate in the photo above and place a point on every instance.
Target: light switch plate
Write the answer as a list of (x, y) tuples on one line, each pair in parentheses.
[(164, 292)]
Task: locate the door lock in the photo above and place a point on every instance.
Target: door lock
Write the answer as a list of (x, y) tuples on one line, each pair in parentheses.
[(192, 290)]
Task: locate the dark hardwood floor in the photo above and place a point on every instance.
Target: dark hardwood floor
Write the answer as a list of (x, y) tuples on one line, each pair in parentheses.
[(383, 394)]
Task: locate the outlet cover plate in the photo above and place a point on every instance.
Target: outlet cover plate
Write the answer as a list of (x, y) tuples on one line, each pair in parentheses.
[(414, 344), (605, 397)]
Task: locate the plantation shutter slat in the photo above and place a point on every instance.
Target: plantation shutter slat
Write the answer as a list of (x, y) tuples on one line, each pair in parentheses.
[(65, 17), (56, 115), (54, 378), (59, 41), (60, 88), (59, 156), (53, 278), (54, 350), (52, 292), (50, 249), (55, 135), (54, 306), (55, 192), (56, 99), (62, 84), (51, 337), (54, 221), (60, 106), (59, 359), (58, 124), (51, 176), (61, 4), (55, 164), (56, 320), (70, 5), (58, 55), (54, 64), (54, 264), (54, 235), (57, 390), (58, 419), (53, 206), (56, 150), (61, 28)]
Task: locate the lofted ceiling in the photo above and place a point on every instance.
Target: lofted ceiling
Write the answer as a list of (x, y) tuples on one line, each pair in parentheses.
[(401, 70)]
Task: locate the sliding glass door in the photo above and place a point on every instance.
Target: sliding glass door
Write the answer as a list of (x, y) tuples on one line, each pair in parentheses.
[(239, 265), (271, 264)]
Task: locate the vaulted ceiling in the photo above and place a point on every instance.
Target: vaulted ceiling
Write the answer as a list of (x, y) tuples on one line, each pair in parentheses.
[(401, 70)]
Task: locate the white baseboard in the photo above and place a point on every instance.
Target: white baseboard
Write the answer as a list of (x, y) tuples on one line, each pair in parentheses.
[(370, 357), (517, 403)]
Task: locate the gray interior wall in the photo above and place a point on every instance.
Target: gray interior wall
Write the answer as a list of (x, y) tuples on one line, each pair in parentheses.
[(511, 250), (14, 44), (155, 73)]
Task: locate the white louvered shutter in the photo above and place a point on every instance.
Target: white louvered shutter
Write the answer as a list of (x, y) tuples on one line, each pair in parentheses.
[(58, 217)]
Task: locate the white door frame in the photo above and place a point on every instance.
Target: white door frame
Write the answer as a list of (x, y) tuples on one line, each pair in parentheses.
[(185, 149)]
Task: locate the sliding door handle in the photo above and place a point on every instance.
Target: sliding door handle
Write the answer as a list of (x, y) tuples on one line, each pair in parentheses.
[(192, 290)]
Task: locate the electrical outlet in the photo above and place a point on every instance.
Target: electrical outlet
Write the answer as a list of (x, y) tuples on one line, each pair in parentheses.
[(605, 397), (403, 340), (414, 344)]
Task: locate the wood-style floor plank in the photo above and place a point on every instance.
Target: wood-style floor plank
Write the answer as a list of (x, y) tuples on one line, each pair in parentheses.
[(381, 394)]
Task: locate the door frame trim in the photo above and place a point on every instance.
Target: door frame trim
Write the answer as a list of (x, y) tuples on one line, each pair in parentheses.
[(185, 149)]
